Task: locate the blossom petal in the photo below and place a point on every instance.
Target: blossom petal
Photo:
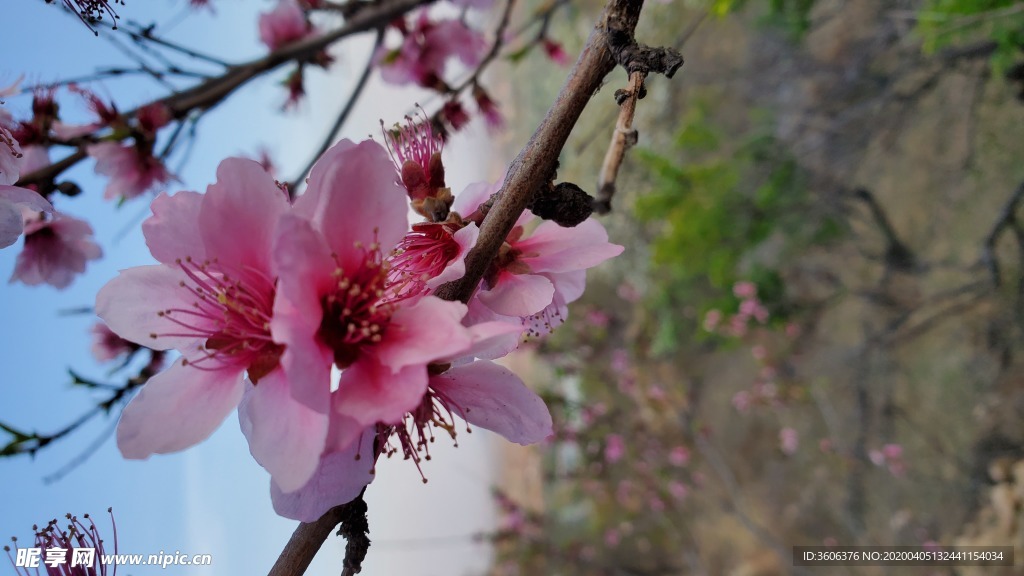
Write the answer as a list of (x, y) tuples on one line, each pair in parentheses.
[(285, 436), (371, 393), (172, 231), (492, 397), (130, 303), (490, 340), (303, 264), (466, 239), (552, 248), (418, 334), (239, 214), (352, 198), (12, 200), (518, 294), (339, 479), (177, 408), (25, 197), (11, 224)]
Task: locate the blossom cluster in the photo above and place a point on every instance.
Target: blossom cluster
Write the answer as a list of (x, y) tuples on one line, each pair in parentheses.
[(265, 298), (57, 245)]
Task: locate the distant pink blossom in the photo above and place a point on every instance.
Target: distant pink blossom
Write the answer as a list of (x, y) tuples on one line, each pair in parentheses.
[(678, 490), (131, 171), (106, 345), (629, 292), (597, 318), (611, 537), (711, 319), (759, 352), (679, 456), (744, 290), (427, 47), (55, 251), (285, 24), (789, 441), (742, 401), (614, 448)]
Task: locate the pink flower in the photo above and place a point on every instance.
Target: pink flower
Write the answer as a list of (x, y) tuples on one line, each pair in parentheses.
[(614, 448), (712, 319), (55, 251), (744, 290), (131, 171), (211, 298), (283, 25), (678, 490), (426, 49), (679, 456), (537, 274), (336, 308), (789, 441), (106, 345)]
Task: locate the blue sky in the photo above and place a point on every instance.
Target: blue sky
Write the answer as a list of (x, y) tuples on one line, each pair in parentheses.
[(212, 498)]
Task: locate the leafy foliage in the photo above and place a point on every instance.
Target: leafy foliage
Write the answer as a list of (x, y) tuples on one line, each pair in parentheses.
[(943, 23)]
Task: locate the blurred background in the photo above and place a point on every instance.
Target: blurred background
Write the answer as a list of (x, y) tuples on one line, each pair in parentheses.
[(812, 338), (814, 335)]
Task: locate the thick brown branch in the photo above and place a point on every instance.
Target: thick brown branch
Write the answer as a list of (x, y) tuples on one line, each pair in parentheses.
[(529, 171)]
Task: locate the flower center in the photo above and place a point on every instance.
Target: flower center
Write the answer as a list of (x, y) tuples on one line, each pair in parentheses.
[(231, 313), (357, 311), (421, 255)]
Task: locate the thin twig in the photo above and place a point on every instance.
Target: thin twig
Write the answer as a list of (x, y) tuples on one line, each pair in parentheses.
[(625, 136), (535, 163), (342, 116)]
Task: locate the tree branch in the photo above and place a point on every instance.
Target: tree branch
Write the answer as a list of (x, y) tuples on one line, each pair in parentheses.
[(212, 92), (538, 159)]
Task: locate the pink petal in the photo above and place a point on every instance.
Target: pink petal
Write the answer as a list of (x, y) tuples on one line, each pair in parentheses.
[(552, 248), (418, 334), (518, 294), (473, 196), (11, 224), (177, 408), (12, 200), (338, 480), (303, 264), (239, 214), (130, 302), (10, 157), (568, 285), (491, 340), (492, 397), (352, 198), (25, 197), (371, 393), (285, 436), (172, 231), (466, 239)]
